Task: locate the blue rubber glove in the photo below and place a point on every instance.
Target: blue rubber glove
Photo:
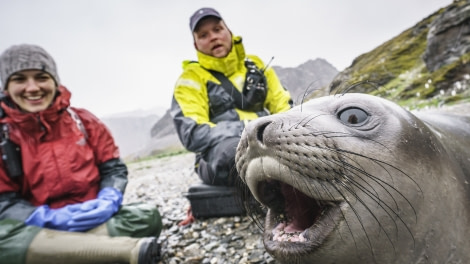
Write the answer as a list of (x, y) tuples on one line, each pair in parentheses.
[(97, 211), (57, 219)]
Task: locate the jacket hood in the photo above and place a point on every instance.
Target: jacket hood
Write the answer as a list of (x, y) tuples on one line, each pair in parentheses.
[(228, 64)]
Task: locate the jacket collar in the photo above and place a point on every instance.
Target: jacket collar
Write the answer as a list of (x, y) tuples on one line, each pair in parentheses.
[(228, 64), (46, 117)]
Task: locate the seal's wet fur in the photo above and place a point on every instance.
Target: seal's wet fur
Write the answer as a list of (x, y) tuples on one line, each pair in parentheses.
[(358, 179)]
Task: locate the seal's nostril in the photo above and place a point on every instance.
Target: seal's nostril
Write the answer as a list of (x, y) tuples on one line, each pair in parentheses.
[(261, 128)]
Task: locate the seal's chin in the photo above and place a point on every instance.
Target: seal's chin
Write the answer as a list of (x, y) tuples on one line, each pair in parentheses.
[(295, 220)]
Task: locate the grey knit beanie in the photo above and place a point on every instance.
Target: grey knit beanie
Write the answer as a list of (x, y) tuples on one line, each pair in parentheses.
[(26, 57)]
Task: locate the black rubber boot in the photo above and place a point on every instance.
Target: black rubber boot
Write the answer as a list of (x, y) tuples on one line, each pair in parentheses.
[(150, 251)]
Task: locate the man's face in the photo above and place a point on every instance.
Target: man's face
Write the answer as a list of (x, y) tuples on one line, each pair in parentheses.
[(212, 37), (31, 90)]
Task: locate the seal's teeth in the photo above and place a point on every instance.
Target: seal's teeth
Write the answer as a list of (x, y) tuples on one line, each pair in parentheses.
[(288, 237)]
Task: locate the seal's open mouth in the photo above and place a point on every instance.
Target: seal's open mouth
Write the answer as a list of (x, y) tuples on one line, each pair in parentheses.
[(295, 217)]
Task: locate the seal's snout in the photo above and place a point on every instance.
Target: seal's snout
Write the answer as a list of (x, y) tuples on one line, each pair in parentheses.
[(258, 133), (256, 142)]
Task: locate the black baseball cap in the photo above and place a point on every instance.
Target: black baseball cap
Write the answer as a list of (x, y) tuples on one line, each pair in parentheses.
[(200, 14)]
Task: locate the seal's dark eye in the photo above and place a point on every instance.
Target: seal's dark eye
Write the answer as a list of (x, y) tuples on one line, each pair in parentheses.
[(353, 116)]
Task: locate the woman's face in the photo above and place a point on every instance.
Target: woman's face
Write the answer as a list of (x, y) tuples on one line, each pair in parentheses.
[(31, 90), (212, 37)]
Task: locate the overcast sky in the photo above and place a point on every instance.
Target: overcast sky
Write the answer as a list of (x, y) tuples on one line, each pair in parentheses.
[(122, 55)]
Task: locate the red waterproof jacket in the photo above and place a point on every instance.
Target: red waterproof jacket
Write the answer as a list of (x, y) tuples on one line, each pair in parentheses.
[(61, 165)]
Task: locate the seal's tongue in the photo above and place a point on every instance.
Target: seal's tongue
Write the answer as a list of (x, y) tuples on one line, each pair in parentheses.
[(300, 209)]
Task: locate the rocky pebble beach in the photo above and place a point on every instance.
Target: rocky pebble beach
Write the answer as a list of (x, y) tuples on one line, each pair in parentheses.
[(163, 182)]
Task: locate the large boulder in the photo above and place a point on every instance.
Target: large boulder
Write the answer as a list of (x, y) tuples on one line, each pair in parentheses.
[(448, 36)]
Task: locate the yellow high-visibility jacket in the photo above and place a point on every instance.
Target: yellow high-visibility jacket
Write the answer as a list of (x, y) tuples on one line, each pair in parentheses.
[(204, 113)]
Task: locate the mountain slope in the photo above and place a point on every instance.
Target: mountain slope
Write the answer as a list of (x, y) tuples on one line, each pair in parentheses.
[(311, 76), (131, 133), (425, 65)]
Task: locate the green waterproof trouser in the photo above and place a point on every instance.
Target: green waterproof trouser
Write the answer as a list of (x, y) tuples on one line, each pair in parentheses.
[(133, 220)]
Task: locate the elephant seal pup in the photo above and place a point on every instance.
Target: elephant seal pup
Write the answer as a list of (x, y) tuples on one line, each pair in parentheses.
[(358, 179)]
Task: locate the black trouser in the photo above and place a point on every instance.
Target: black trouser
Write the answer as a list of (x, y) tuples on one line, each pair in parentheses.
[(217, 165)]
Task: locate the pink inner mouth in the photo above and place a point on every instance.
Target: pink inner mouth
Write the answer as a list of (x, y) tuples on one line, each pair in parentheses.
[(299, 207), (301, 212)]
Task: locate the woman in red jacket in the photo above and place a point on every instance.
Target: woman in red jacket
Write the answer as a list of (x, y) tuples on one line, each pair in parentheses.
[(61, 177)]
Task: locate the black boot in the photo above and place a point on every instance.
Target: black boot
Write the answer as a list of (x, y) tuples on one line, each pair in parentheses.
[(150, 251)]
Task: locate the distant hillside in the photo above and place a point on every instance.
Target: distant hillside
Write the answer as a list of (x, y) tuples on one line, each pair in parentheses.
[(425, 65), (163, 138), (131, 133), (311, 76), (163, 127)]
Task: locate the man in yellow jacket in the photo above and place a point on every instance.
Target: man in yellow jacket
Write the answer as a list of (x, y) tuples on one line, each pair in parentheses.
[(215, 96)]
